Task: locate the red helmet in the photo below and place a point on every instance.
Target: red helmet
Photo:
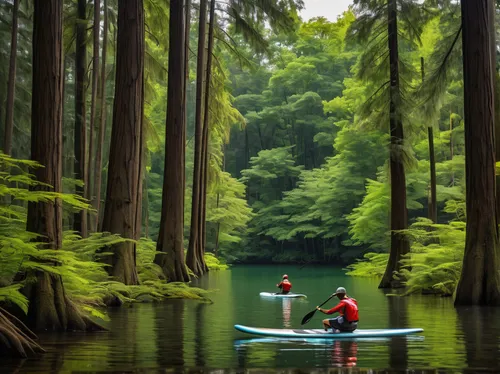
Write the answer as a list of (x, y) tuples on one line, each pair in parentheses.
[(285, 276)]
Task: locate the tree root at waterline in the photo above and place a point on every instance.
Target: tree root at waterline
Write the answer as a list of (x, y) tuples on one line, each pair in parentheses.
[(16, 340)]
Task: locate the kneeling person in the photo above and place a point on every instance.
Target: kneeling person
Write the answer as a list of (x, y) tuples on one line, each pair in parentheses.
[(285, 285), (348, 310)]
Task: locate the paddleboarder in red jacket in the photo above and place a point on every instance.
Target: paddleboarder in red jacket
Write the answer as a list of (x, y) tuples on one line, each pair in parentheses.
[(348, 310), (285, 285)]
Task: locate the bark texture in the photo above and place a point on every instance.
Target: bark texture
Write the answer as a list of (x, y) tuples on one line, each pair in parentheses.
[(11, 85), (80, 165), (399, 215), (102, 123), (125, 150), (170, 239), (93, 105), (479, 283), (49, 308), (192, 258)]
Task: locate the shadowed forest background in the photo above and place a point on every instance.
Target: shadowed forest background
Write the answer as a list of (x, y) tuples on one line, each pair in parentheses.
[(147, 143)]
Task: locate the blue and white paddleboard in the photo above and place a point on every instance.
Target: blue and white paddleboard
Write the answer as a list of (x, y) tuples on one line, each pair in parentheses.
[(322, 334), (279, 295)]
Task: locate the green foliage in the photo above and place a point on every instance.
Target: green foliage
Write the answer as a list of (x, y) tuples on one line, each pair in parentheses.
[(436, 257), (214, 263), (77, 262)]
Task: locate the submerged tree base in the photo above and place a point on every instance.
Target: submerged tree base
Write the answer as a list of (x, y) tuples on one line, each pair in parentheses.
[(16, 340)]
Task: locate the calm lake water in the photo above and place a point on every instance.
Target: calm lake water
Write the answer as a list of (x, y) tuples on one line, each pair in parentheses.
[(179, 335)]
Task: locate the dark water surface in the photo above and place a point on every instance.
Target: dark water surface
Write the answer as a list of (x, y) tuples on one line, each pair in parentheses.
[(188, 334)]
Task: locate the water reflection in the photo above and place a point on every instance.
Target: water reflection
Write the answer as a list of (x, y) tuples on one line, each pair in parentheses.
[(398, 318), (176, 334), (287, 312), (344, 354), (481, 327), (170, 334), (200, 342)]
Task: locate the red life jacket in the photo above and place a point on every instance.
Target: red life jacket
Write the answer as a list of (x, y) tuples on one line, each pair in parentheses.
[(285, 284), (350, 309)]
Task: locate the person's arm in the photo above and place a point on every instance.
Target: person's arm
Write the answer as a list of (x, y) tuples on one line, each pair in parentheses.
[(279, 285), (335, 309)]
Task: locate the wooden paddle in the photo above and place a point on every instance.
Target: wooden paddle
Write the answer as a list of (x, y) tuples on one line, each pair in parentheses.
[(310, 315)]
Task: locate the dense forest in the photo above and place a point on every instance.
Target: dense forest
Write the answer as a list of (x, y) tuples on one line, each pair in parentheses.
[(146, 143)]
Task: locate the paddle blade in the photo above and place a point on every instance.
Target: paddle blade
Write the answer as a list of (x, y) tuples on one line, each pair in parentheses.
[(308, 317)]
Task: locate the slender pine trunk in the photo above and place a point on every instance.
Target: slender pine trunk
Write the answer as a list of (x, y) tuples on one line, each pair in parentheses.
[(205, 139), (11, 86), (102, 123), (399, 216), (432, 204), (93, 103), (80, 168), (192, 260)]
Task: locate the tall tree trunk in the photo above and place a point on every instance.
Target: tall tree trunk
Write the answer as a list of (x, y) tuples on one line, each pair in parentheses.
[(49, 307), (171, 236), (11, 86), (140, 180), (399, 216), (479, 282), (496, 83), (432, 205), (81, 173), (93, 103), (192, 260), (217, 232), (205, 138), (187, 30), (102, 123), (125, 149)]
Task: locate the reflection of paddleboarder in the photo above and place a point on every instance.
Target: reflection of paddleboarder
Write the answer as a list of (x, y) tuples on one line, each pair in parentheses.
[(344, 354), (287, 312)]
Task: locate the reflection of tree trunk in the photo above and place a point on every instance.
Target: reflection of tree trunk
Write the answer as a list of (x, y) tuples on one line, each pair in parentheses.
[(170, 333), (198, 335), (399, 214), (480, 327), (398, 318)]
